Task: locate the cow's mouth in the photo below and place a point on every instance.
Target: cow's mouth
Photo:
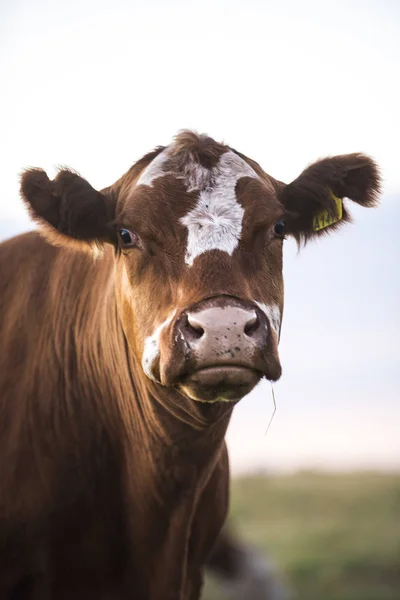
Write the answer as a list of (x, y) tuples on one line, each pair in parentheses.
[(222, 383)]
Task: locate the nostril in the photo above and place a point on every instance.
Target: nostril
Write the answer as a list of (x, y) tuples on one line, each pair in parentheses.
[(252, 325), (194, 327)]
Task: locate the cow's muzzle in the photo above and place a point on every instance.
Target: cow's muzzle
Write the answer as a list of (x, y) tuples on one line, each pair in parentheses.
[(228, 346)]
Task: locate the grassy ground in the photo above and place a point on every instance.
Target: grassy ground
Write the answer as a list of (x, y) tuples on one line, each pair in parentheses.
[(335, 537)]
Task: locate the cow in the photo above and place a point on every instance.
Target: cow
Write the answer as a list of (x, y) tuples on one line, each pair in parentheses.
[(241, 572), (131, 325)]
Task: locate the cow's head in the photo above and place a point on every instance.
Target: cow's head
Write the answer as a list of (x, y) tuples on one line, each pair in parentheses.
[(198, 231)]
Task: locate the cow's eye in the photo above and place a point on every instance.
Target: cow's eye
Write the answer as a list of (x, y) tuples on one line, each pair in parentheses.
[(279, 228), (128, 239)]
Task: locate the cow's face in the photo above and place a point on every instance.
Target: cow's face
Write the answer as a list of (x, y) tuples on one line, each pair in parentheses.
[(200, 271), (198, 231)]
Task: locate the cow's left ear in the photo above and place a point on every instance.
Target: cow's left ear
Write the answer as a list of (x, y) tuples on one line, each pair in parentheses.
[(313, 201), (68, 208)]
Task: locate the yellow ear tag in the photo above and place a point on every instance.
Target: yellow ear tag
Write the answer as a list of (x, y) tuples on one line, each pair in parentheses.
[(324, 218)]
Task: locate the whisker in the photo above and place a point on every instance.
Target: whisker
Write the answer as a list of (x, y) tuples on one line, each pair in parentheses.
[(274, 411)]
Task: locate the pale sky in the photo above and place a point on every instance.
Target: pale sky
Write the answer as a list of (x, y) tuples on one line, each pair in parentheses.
[(94, 85)]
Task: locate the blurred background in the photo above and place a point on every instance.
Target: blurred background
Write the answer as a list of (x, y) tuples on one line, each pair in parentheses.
[(96, 84)]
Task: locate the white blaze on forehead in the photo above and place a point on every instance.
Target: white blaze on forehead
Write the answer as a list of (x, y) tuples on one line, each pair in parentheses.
[(154, 170), (273, 315), (193, 174), (151, 349), (215, 223)]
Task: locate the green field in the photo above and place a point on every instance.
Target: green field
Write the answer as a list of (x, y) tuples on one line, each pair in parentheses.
[(335, 537)]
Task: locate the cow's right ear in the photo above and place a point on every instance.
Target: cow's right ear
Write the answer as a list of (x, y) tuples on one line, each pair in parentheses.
[(68, 208), (314, 201)]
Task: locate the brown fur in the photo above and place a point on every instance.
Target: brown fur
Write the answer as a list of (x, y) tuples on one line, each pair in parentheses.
[(352, 176), (112, 485), (188, 146)]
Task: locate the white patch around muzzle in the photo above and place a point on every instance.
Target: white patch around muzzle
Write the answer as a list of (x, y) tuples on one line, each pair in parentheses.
[(273, 314), (151, 349)]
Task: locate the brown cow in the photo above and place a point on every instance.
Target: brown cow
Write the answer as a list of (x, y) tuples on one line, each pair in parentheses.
[(125, 344)]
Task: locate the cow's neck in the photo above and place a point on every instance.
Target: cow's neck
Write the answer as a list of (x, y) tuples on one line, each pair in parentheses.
[(166, 447), (185, 449), (190, 432), (181, 447)]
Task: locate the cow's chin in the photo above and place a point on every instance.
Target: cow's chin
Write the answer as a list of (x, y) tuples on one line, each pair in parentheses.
[(219, 384)]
